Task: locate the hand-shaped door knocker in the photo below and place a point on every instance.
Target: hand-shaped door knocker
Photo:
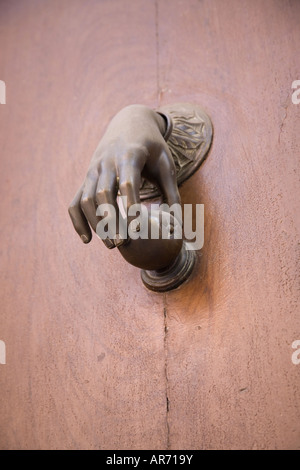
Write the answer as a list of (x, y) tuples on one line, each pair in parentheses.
[(144, 154)]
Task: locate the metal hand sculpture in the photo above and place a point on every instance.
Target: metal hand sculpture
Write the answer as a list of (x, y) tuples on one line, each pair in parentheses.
[(133, 159)]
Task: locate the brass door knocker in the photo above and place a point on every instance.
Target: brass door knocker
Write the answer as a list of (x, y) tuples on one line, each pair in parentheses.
[(144, 154)]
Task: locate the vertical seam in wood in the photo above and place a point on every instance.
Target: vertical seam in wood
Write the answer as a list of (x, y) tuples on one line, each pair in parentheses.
[(165, 296), (166, 372), (157, 53)]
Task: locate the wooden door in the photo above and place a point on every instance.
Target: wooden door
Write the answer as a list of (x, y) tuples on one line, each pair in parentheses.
[(93, 359)]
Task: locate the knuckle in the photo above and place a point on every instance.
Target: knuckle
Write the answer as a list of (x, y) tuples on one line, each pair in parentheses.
[(126, 186), (72, 209), (85, 201), (143, 151), (102, 194), (134, 153), (137, 150), (92, 174), (103, 163)]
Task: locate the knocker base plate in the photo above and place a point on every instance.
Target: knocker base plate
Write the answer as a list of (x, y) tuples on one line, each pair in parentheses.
[(173, 276), (189, 142)]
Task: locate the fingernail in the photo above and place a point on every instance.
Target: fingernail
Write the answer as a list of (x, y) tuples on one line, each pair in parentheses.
[(84, 238), (119, 241), (109, 243)]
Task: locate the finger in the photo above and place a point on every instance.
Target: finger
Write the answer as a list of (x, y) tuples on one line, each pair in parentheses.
[(166, 178), (87, 202), (167, 181), (78, 218), (106, 195), (129, 183)]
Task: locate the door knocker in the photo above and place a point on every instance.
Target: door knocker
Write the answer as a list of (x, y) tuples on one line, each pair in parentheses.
[(144, 154)]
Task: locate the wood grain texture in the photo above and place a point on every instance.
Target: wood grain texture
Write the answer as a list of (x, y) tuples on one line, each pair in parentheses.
[(231, 380), (85, 340), (93, 358)]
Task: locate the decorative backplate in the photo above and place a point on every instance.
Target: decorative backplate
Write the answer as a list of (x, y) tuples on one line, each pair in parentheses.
[(174, 275), (189, 142)]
